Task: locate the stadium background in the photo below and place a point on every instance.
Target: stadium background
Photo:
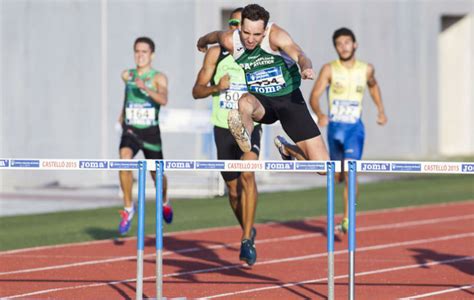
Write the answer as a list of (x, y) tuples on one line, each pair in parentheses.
[(61, 61)]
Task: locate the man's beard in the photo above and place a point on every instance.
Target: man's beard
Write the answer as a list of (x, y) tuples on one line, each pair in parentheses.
[(350, 56)]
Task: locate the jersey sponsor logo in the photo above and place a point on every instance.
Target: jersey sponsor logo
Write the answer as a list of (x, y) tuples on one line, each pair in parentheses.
[(467, 168), (269, 80), (210, 165), (24, 163), (59, 164), (4, 163), (269, 73), (440, 167), (266, 90), (279, 166), (310, 166), (379, 167), (179, 164), (243, 165), (406, 167), (93, 164), (123, 165)]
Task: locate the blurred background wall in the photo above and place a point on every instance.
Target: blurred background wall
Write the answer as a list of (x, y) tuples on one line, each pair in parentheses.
[(61, 60)]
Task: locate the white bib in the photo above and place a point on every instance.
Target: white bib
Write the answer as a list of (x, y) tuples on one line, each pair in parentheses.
[(229, 99), (140, 115), (345, 111)]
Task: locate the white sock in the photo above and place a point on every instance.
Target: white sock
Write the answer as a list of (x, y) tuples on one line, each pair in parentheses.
[(131, 212)]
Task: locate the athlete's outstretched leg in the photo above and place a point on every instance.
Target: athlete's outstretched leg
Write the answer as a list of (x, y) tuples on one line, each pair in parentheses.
[(314, 148), (248, 252)]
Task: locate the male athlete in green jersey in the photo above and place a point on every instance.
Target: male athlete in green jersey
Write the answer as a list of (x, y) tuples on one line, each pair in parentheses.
[(270, 59), (145, 91), (221, 77)]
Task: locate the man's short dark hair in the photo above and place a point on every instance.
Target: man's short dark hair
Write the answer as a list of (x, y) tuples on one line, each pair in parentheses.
[(255, 12), (146, 40), (237, 10), (343, 32)]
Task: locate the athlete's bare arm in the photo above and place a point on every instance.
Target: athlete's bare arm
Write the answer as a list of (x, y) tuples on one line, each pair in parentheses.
[(324, 79), (160, 94), (280, 39), (202, 88), (223, 38), (374, 91)]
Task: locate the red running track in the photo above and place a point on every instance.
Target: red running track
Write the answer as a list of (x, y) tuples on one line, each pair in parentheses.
[(425, 252)]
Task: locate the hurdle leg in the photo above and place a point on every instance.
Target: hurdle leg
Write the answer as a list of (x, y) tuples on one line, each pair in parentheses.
[(352, 226), (159, 229), (141, 227), (330, 230)]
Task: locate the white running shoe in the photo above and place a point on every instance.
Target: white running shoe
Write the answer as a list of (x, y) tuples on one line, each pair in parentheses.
[(238, 131)]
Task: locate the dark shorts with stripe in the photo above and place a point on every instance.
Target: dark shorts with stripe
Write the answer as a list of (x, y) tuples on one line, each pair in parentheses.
[(227, 148), (293, 114), (140, 139)]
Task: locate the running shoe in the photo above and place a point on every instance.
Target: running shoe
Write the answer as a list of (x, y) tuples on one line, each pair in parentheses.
[(248, 253), (238, 131), (126, 217), (280, 143), (167, 213), (253, 234), (343, 226)]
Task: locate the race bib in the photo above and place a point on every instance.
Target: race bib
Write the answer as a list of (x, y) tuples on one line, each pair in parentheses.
[(345, 111), (266, 81), (144, 116), (229, 99)]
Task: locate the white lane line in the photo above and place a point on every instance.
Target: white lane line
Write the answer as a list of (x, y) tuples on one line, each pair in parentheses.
[(259, 242), (466, 287), (373, 272), (372, 212), (289, 259)]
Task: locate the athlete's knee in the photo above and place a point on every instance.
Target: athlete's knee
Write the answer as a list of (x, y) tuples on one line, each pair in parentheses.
[(248, 178), (126, 153), (246, 103)]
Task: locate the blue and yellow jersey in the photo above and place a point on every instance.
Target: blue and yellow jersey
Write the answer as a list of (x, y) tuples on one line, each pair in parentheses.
[(346, 91)]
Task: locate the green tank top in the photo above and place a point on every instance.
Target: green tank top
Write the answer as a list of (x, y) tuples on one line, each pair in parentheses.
[(226, 100), (267, 72), (140, 110)]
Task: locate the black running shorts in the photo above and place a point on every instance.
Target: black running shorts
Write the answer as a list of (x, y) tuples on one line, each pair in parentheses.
[(227, 148), (142, 139), (293, 114)]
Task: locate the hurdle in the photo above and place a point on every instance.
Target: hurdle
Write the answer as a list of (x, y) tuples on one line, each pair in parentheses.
[(409, 167), (142, 166), (328, 167)]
